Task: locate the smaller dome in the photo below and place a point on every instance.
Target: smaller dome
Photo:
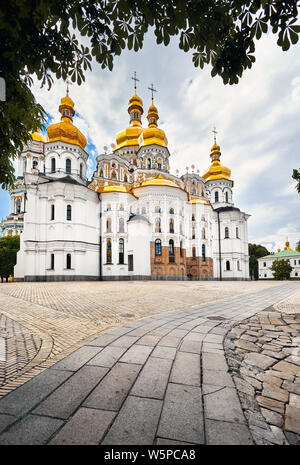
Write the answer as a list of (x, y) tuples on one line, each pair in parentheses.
[(67, 101), (202, 201), (287, 246), (38, 136), (106, 189), (159, 180)]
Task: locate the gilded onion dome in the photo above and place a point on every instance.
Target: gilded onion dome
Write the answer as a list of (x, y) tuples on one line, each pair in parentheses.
[(65, 131), (38, 136), (152, 134), (216, 170), (287, 246), (130, 135)]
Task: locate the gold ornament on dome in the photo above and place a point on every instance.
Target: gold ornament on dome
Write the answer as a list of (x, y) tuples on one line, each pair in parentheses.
[(65, 131)]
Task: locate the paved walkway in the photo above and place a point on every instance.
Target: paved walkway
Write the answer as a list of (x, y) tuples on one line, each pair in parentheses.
[(160, 380)]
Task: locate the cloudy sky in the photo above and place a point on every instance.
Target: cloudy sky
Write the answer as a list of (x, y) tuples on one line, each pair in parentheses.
[(257, 122)]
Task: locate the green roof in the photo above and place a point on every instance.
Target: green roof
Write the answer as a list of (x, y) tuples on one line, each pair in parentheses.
[(283, 254)]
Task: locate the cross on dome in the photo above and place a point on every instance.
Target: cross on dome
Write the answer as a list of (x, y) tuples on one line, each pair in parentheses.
[(135, 81), (152, 90), (215, 133)]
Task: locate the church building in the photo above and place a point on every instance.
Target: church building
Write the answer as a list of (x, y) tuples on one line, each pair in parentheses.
[(133, 219)]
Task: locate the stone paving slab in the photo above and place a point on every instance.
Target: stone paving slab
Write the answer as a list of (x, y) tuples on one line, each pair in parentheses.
[(27, 396), (69, 396), (108, 356), (226, 433), (77, 359), (186, 369), (224, 405), (113, 389), (31, 430), (136, 423), (182, 415), (86, 427), (141, 383)]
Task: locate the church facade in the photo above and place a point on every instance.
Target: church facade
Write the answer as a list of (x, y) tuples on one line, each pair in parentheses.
[(133, 219)]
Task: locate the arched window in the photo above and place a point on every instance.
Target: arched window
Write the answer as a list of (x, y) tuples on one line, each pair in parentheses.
[(171, 251), (158, 247), (181, 229), (69, 212), (53, 165), (193, 217), (203, 233), (216, 196), (181, 249), (18, 206), (121, 251), (35, 164), (68, 166), (68, 261), (226, 197), (81, 170), (226, 233), (157, 209), (108, 225), (144, 211), (171, 226), (121, 207), (227, 265), (171, 211), (108, 250), (113, 175), (193, 189), (157, 225), (238, 265), (194, 252), (193, 232), (101, 174), (121, 225), (108, 207), (125, 178), (203, 252), (52, 262), (159, 164), (149, 163), (52, 214), (237, 233)]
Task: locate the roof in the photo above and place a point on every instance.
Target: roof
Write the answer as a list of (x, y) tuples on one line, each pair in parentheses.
[(282, 254), (227, 209)]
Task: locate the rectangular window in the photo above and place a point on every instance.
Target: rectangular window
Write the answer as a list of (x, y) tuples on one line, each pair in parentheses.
[(52, 262), (130, 262), (52, 212)]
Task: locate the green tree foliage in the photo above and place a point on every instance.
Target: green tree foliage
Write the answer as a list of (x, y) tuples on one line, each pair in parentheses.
[(281, 269), (9, 246), (296, 176), (44, 38), (255, 252)]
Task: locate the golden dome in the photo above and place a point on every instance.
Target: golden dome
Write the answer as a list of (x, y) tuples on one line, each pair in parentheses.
[(130, 135), (159, 180), (152, 134), (38, 136), (202, 201), (65, 131), (287, 246), (216, 170), (105, 189)]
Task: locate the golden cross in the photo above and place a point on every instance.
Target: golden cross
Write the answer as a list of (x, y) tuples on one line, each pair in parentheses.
[(152, 90), (68, 82), (135, 81), (215, 133)]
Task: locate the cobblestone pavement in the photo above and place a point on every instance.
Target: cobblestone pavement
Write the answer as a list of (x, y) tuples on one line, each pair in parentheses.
[(263, 353), (40, 323), (160, 380)]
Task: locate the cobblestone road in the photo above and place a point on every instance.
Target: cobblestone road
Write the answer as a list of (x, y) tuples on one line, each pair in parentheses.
[(64, 316), (160, 380)]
